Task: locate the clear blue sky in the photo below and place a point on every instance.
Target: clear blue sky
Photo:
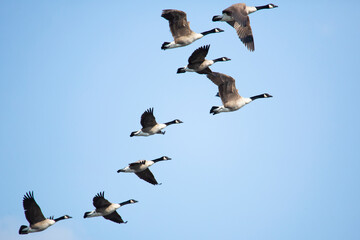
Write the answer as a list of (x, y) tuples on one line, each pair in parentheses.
[(75, 76)]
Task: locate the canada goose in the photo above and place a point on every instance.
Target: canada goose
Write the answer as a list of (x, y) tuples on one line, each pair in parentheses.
[(198, 63), (229, 94), (237, 16), (180, 29), (150, 126), (35, 217), (107, 209), (141, 169)]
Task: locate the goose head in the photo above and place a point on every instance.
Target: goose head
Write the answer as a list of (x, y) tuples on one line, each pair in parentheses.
[(270, 5), (216, 30), (222, 59), (177, 121), (266, 95)]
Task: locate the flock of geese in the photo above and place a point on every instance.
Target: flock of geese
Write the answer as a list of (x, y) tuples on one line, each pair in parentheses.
[(236, 16)]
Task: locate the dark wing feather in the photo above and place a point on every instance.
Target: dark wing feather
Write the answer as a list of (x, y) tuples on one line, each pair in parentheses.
[(245, 35), (99, 201), (136, 164), (32, 211), (179, 26), (115, 217), (228, 92), (241, 24), (217, 78), (205, 71), (148, 119), (147, 176), (226, 85), (198, 56)]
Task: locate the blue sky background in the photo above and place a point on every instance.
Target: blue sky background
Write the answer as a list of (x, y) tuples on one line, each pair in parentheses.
[(75, 77)]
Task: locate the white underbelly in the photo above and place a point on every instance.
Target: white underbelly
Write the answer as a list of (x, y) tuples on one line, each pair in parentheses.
[(157, 128), (235, 105), (40, 226)]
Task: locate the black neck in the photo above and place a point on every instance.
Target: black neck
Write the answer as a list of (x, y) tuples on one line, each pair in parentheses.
[(60, 218), (218, 60), (257, 96), (262, 7), (169, 123), (159, 159), (208, 32), (124, 203)]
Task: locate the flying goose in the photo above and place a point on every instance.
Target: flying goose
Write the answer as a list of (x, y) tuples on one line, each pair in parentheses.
[(198, 63), (237, 16), (35, 217), (141, 169), (150, 126), (180, 29), (107, 209), (229, 95)]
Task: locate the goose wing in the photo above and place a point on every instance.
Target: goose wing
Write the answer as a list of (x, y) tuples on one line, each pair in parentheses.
[(241, 24), (179, 26), (32, 211), (205, 71), (198, 56), (99, 201), (147, 176), (148, 119), (226, 85), (115, 217), (137, 164)]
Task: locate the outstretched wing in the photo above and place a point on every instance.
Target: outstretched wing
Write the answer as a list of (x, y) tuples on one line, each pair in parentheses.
[(241, 24), (226, 85), (32, 211), (147, 176), (179, 26), (115, 217), (99, 201), (245, 35), (199, 54), (148, 119), (136, 164)]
